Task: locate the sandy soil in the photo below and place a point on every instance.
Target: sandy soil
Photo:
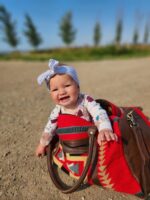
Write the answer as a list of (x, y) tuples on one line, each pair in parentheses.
[(24, 108)]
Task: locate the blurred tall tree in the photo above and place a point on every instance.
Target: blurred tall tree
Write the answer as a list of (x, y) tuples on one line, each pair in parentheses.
[(97, 34), (67, 31), (9, 27), (136, 32), (146, 33), (119, 29), (135, 36), (31, 33)]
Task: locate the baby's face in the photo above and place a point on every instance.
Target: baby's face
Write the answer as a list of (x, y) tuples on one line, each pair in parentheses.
[(64, 90)]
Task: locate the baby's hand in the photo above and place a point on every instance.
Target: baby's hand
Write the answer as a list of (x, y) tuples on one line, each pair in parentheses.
[(40, 150), (106, 135)]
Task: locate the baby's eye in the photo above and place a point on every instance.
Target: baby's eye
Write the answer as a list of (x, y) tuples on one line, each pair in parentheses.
[(67, 85), (54, 90)]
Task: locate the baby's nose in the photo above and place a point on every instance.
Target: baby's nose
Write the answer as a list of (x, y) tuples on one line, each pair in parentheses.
[(62, 91)]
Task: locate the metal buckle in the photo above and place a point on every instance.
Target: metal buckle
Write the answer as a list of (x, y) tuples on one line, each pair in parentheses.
[(131, 119)]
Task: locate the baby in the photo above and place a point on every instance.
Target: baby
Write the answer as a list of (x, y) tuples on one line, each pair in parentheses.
[(63, 84)]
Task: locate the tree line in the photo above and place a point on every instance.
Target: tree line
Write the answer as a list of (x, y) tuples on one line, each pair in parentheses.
[(67, 32)]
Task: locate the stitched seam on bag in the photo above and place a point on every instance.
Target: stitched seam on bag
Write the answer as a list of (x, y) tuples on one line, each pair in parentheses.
[(102, 168)]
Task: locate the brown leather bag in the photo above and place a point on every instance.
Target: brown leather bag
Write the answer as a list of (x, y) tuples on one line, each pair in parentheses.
[(135, 133), (135, 129)]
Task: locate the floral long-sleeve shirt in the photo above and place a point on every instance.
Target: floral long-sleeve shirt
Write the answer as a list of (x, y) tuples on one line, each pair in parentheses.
[(87, 108)]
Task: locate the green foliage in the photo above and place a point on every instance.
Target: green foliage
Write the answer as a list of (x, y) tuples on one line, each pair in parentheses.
[(97, 34), (9, 27), (31, 33), (84, 53), (119, 29), (67, 32)]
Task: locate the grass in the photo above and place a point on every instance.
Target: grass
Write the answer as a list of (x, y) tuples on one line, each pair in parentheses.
[(81, 53)]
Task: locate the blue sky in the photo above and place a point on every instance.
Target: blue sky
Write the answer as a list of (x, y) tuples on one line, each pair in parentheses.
[(47, 14)]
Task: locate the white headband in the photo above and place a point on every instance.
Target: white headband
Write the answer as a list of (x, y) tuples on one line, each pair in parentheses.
[(55, 69)]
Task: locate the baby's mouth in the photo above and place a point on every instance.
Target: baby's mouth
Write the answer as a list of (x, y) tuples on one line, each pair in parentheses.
[(64, 98)]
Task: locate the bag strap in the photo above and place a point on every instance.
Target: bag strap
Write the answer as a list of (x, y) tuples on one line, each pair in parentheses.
[(54, 174)]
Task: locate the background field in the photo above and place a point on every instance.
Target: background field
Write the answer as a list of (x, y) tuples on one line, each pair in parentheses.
[(24, 108)]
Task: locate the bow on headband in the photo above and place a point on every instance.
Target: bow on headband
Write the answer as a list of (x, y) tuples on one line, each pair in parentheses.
[(49, 73), (55, 69)]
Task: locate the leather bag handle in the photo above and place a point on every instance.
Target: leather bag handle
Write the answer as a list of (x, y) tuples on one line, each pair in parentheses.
[(54, 174)]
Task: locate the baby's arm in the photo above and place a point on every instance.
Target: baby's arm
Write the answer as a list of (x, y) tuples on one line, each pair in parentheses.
[(48, 132), (101, 121), (44, 141)]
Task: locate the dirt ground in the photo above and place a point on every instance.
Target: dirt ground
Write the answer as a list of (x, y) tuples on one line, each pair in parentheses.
[(24, 108)]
